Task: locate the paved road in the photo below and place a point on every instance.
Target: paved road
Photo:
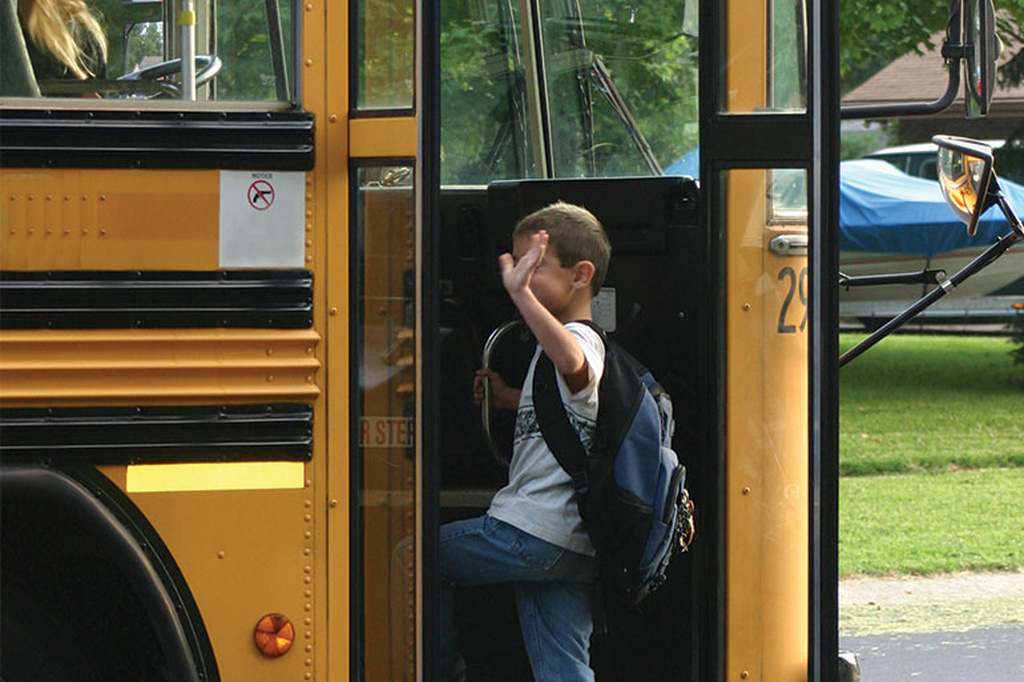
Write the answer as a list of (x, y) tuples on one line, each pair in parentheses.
[(989, 655), (959, 628)]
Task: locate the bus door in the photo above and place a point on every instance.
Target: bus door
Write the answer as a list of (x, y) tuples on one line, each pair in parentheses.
[(714, 284), (588, 103), (768, 166)]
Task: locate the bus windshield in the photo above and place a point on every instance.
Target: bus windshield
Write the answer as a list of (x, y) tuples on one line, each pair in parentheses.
[(616, 93)]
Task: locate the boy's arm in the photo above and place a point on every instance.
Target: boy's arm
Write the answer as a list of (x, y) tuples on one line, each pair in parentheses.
[(558, 343)]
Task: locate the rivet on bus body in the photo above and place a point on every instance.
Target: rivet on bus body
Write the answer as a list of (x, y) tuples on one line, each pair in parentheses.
[(220, 554), (309, 607), (333, 118), (31, 197), (308, 535), (309, 213), (744, 675), (308, 503), (746, 306), (309, 259), (309, 378), (309, 662), (306, 552), (31, 231), (270, 377), (85, 197), (307, 580), (49, 197), (309, 227), (334, 311), (309, 62), (307, 518), (85, 231), (67, 197), (746, 490), (309, 648), (270, 351), (308, 621), (308, 676), (309, 242), (103, 233), (309, 635), (103, 197), (334, 504)]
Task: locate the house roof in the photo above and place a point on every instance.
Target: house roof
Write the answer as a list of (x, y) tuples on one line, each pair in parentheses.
[(923, 78)]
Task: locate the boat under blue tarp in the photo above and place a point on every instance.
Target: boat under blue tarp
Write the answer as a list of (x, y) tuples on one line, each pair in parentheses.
[(883, 210)]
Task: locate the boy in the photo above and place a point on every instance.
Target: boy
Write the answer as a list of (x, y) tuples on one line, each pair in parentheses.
[(532, 534)]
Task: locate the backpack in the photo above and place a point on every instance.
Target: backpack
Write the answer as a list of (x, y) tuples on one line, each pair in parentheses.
[(631, 487)]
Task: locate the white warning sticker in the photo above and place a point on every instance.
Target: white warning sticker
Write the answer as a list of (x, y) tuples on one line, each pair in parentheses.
[(261, 223)]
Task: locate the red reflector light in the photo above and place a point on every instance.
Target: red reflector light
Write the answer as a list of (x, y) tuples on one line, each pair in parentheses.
[(1018, 306), (274, 635)]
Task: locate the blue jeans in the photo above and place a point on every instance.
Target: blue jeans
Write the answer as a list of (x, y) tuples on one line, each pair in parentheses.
[(553, 587)]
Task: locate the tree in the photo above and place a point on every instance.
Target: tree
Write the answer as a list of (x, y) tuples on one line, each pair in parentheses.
[(878, 33)]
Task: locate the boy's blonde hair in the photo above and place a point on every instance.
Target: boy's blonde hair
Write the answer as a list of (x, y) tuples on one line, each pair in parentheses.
[(576, 235)]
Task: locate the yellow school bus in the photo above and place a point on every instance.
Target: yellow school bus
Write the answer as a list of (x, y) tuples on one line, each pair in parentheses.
[(249, 271)]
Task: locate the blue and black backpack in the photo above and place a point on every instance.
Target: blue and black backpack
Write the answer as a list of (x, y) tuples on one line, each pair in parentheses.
[(630, 487)]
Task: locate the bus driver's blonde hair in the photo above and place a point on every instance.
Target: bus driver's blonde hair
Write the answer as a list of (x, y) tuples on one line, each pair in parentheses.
[(53, 24)]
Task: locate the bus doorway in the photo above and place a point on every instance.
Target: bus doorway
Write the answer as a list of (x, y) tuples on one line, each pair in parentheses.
[(654, 303)]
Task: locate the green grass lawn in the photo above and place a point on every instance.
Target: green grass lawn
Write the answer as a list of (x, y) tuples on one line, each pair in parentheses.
[(931, 456), (930, 403), (931, 523)]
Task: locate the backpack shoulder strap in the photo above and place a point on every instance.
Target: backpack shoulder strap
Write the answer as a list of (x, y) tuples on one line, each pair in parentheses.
[(560, 436)]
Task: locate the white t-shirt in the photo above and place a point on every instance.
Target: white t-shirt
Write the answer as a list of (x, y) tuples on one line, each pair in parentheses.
[(539, 497)]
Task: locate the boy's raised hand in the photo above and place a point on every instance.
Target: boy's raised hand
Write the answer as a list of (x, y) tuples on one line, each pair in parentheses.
[(516, 275)]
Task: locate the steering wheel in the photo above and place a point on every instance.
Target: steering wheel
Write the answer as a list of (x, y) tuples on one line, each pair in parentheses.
[(207, 66)]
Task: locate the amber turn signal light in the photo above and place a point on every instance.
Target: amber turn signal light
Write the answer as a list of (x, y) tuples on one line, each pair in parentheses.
[(274, 635)]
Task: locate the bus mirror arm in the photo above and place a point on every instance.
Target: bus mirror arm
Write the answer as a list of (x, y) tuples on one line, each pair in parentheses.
[(953, 51), (935, 276), (984, 259)]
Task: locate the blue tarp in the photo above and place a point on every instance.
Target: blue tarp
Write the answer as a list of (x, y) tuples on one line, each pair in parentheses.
[(884, 210)]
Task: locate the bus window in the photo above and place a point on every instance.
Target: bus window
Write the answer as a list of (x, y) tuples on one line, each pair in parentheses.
[(767, 296), (383, 64), (485, 132), (239, 51), (618, 96), (383, 427), (622, 83), (782, 86)]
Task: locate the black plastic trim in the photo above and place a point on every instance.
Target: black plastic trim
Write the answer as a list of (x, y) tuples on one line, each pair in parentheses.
[(129, 435), (275, 299), (117, 138)]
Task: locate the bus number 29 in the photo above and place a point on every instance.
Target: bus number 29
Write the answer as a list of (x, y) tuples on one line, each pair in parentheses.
[(797, 289)]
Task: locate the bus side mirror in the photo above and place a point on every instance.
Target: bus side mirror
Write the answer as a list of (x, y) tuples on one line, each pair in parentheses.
[(965, 174), (983, 48)]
